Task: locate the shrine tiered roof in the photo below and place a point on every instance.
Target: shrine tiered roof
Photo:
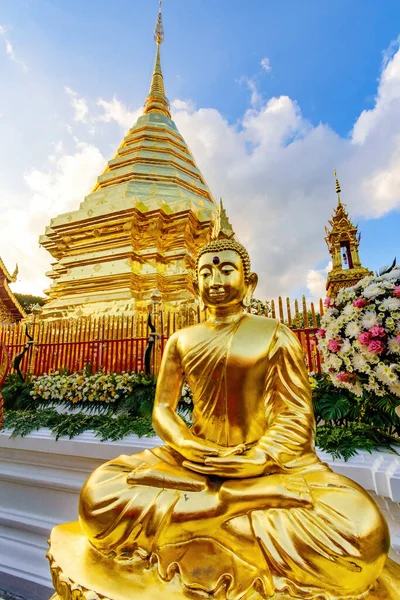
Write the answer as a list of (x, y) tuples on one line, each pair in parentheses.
[(10, 309)]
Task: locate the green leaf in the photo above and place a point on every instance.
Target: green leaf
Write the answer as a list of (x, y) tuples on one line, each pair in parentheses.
[(334, 407)]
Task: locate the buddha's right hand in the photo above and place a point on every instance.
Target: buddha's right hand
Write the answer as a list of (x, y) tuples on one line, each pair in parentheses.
[(197, 450)]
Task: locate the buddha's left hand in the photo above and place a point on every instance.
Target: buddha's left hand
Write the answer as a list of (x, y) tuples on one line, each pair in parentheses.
[(252, 463)]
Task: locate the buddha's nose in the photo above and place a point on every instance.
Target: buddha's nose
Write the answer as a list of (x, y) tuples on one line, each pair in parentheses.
[(216, 279)]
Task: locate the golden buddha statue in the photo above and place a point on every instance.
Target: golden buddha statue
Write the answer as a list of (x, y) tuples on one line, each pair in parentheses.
[(238, 506)]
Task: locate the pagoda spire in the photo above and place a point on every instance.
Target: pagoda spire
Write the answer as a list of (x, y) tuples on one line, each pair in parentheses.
[(157, 100), (338, 190)]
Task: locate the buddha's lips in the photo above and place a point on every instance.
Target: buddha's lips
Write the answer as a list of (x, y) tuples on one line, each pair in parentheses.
[(217, 295)]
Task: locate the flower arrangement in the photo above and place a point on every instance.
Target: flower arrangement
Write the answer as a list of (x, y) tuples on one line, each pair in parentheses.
[(360, 336), (113, 389), (84, 387)]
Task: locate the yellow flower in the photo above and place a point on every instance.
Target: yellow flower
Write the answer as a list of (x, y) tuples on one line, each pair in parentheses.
[(313, 382)]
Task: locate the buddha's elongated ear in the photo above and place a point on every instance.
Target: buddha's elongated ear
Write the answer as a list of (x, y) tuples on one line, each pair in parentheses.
[(251, 286)]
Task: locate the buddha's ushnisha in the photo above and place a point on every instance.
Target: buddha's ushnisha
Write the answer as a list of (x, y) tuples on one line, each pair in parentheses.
[(239, 501)]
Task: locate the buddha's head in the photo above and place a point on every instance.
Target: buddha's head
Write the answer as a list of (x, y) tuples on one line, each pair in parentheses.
[(224, 277)]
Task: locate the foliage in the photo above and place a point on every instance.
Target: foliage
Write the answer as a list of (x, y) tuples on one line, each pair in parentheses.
[(27, 301), (299, 323), (106, 427), (343, 442), (16, 393), (360, 337), (346, 422)]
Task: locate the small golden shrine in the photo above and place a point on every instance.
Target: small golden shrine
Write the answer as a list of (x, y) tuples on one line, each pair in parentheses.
[(343, 241), (10, 309), (140, 228)]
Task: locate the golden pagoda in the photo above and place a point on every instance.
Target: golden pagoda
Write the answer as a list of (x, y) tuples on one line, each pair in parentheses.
[(140, 228), (343, 241), (10, 309)]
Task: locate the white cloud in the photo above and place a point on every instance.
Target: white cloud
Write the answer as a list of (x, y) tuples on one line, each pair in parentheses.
[(274, 170), (115, 110), (316, 281), (79, 105), (112, 110), (63, 186), (10, 49), (255, 99), (266, 64), (59, 188)]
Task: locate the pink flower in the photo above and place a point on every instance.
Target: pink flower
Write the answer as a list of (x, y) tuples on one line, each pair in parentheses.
[(334, 345), (328, 302), (377, 331), (321, 333), (396, 291), (376, 346), (360, 302), (343, 376), (364, 338), (398, 338)]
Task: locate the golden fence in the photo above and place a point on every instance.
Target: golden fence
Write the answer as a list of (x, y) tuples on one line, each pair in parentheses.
[(117, 343)]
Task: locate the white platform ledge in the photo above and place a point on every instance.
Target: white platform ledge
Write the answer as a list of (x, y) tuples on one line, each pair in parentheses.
[(40, 481)]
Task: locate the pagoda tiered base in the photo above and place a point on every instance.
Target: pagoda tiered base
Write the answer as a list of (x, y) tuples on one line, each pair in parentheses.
[(80, 573)]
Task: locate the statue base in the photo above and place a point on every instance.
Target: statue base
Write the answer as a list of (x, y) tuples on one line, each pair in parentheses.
[(80, 573)]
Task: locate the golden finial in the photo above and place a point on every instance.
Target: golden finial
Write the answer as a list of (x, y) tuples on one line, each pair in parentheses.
[(222, 229), (338, 190), (159, 29), (157, 100), (15, 274)]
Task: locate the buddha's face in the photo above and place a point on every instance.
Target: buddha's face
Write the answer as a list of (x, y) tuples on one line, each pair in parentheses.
[(221, 278)]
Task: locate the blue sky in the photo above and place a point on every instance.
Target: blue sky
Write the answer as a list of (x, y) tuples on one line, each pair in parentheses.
[(325, 66)]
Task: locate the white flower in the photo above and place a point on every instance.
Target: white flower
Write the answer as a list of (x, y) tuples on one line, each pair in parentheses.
[(345, 347), (372, 291), (385, 373), (331, 334), (333, 362), (359, 362), (363, 282), (392, 275), (389, 323), (391, 303), (349, 310), (393, 345), (352, 329), (357, 389), (395, 389), (369, 319)]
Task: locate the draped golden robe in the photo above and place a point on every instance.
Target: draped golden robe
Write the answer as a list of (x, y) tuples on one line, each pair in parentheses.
[(333, 546)]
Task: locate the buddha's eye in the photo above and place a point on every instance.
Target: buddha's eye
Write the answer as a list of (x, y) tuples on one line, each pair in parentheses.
[(205, 274), (227, 271)]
